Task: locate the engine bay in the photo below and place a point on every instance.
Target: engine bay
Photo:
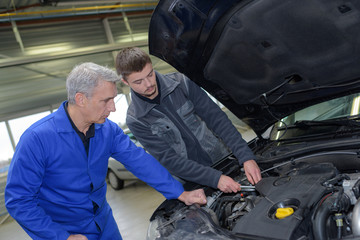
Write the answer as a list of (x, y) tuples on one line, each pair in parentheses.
[(300, 200)]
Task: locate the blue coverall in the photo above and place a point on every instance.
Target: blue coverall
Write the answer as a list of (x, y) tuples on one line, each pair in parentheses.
[(55, 189)]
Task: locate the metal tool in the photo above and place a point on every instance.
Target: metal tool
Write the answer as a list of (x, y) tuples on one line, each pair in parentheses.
[(247, 188)]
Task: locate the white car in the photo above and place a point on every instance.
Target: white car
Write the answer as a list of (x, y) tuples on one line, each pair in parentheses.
[(117, 173)]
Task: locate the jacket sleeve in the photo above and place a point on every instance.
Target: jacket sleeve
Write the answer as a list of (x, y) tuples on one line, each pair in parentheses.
[(24, 180), (145, 167), (218, 122), (184, 168)]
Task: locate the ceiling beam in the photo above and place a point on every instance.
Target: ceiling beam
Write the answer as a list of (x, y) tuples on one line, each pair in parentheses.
[(75, 11)]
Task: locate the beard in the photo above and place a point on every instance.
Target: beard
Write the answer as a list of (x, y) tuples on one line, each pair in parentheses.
[(151, 94)]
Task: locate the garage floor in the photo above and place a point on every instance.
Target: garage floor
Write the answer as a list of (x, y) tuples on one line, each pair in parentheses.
[(132, 208)]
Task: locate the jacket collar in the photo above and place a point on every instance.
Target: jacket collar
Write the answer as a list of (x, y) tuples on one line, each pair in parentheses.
[(140, 107), (62, 121)]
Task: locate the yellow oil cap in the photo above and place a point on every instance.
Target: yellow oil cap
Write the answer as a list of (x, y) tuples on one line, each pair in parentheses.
[(284, 212)]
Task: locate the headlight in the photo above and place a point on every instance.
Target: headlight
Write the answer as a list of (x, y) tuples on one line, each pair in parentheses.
[(153, 233)]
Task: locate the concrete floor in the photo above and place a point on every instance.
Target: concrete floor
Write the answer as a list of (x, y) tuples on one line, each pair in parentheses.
[(132, 209)]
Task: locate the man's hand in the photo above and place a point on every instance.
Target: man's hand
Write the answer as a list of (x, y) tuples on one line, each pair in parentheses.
[(252, 171), (77, 237), (197, 196), (227, 184)]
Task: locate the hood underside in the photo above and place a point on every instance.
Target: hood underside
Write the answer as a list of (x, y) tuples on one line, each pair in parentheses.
[(262, 59)]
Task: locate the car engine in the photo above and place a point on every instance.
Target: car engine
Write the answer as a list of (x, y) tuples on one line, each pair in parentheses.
[(296, 201)]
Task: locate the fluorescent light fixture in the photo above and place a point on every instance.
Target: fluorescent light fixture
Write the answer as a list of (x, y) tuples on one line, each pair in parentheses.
[(355, 106), (278, 132), (47, 49)]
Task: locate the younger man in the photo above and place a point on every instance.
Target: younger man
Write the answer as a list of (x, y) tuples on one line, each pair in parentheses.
[(180, 125)]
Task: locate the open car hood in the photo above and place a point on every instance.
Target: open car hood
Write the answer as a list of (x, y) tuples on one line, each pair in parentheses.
[(262, 59)]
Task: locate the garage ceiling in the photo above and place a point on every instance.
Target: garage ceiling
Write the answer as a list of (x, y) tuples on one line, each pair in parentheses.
[(41, 41)]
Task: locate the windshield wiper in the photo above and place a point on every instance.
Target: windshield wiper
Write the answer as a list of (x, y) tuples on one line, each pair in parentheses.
[(351, 121)]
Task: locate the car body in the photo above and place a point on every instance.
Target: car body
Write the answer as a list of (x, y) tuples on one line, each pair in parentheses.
[(291, 71), (117, 173)]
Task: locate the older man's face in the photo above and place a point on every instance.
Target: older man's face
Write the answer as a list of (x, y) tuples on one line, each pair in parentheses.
[(101, 104)]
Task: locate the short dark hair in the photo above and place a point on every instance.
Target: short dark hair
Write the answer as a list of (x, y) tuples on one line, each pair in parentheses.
[(130, 60)]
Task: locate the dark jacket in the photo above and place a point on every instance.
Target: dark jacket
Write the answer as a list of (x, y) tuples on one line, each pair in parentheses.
[(186, 132)]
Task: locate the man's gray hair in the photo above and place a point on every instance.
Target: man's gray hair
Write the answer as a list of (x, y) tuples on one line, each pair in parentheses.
[(85, 77)]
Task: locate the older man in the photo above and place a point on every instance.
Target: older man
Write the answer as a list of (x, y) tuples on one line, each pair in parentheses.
[(56, 185)]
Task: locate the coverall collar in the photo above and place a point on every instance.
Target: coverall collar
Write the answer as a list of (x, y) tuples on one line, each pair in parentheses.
[(62, 121)]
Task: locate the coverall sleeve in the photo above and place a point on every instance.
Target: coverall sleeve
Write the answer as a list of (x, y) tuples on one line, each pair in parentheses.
[(25, 177), (184, 168), (219, 123), (146, 167)]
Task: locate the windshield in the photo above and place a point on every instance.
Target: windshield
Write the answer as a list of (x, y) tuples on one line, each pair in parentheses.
[(333, 109)]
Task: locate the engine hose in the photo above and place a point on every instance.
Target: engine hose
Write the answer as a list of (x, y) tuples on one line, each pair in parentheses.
[(355, 224), (325, 210), (220, 207)]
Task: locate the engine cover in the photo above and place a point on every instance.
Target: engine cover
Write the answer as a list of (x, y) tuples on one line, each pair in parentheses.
[(300, 188)]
